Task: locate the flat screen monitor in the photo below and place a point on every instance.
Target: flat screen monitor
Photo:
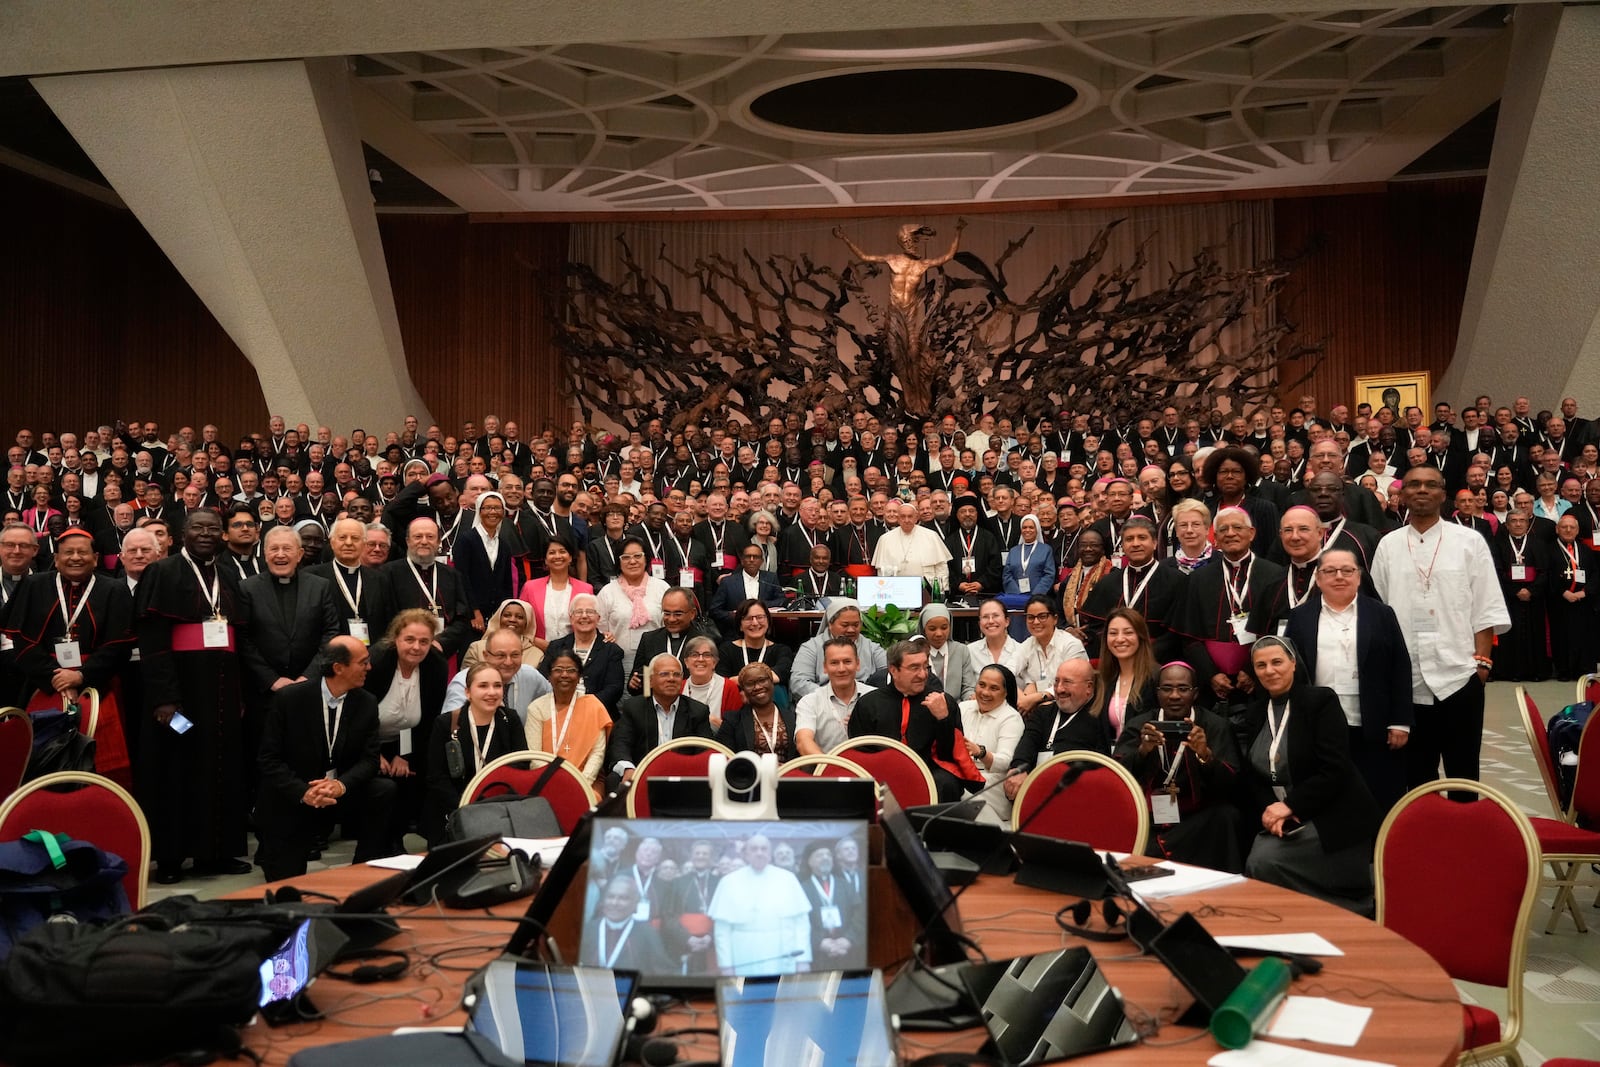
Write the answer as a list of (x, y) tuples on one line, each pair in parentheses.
[(682, 901), (882, 591), (544, 1015), (826, 1019), (1049, 1007)]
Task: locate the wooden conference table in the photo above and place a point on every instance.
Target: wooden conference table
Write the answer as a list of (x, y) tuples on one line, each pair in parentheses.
[(1416, 1019)]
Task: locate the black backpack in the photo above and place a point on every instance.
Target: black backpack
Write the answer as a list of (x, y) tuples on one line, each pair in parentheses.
[(180, 976)]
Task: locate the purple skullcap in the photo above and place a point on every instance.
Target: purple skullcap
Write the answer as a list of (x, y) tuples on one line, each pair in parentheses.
[(437, 479)]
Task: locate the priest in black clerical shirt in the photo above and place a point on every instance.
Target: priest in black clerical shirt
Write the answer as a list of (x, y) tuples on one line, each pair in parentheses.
[(358, 590), (284, 618), (421, 580), (927, 722)]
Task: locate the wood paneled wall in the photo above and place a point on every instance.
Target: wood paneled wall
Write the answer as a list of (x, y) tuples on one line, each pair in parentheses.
[(1385, 287), (95, 323), (475, 314)]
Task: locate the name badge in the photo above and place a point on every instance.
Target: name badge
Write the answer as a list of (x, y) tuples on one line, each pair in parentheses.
[(830, 917), (1023, 585), (6, 644), (1580, 575), (689, 576), (1423, 620), (1241, 631), (969, 565), (68, 654), (358, 630), (642, 912), (179, 723), (1282, 628), (1519, 574), (658, 569), (1163, 809), (1116, 559), (214, 633)]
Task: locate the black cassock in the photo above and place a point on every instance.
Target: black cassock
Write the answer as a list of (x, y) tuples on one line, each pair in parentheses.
[(1160, 602), (103, 630), (1572, 629), (189, 784), (1520, 653)]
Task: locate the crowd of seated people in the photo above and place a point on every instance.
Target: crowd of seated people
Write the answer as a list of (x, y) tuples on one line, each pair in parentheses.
[(594, 594)]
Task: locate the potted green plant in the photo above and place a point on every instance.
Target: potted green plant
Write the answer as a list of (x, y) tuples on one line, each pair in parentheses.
[(887, 626)]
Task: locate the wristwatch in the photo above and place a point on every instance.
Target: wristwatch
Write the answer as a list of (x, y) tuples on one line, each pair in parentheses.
[(983, 751)]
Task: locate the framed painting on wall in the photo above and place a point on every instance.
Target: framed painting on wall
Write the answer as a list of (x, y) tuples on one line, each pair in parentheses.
[(1397, 391)]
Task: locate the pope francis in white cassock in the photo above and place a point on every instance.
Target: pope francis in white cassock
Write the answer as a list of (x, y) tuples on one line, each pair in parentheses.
[(761, 917)]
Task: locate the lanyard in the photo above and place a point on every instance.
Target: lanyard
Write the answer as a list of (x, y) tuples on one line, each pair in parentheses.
[(1296, 600), (488, 738), (824, 891), (1062, 719), (1569, 551), (718, 535), (1237, 581), (331, 730), (71, 620), (1129, 599), (549, 527), (433, 593), (213, 594), (1026, 553), (655, 544), (566, 721), (1516, 549), (622, 939), (355, 601), (771, 737), (1334, 531), (683, 551), (1276, 726)]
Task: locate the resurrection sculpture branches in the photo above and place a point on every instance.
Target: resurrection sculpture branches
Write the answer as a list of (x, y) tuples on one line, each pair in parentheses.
[(789, 331)]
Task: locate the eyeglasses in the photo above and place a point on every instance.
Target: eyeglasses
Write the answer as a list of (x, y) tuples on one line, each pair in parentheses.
[(701, 655), (584, 613), (1339, 572), (1037, 616), (631, 555)]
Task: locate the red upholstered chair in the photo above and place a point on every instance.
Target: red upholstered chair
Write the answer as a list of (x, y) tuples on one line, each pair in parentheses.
[(1588, 689), (1565, 845), (16, 745), (1478, 929), (822, 766), (894, 766), (1104, 808), (89, 808), (518, 772), (683, 757)]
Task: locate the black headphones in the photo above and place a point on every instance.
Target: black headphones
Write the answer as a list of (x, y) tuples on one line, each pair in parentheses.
[(1116, 926), (368, 973)]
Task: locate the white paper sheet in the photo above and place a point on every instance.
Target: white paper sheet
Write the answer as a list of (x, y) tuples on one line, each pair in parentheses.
[(1185, 879), (1320, 1019), (1306, 944), (397, 863), (1268, 1054), (546, 848)]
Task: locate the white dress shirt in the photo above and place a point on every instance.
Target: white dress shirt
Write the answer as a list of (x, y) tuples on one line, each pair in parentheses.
[(1443, 588), (1036, 666), (826, 716), (1337, 665)]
